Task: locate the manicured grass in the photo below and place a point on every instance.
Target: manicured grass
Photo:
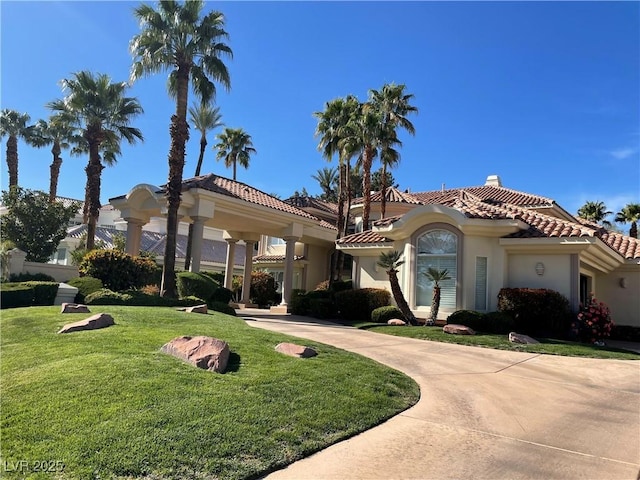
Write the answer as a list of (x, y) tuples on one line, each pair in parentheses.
[(107, 404), (546, 345)]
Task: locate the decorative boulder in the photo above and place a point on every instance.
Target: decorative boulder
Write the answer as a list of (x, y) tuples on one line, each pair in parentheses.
[(100, 320), (203, 352), (195, 309), (456, 329), (294, 350), (521, 338), (395, 321), (74, 308)]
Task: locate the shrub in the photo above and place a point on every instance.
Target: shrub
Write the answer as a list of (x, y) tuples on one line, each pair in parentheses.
[(85, 286), (497, 322), (13, 295), (189, 301), (299, 303), (342, 286), (593, 323), (27, 277), (357, 305), (217, 277), (104, 296), (195, 284), (324, 285), (384, 314), (44, 293), (321, 308), (263, 288), (536, 311), (469, 318), (118, 270), (626, 333), (222, 295), (222, 307)]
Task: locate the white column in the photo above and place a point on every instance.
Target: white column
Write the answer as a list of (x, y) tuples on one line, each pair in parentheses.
[(287, 283), (134, 235), (228, 271), (196, 245), (248, 267)]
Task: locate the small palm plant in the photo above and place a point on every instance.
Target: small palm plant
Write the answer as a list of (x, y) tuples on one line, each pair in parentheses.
[(390, 261), (436, 276)]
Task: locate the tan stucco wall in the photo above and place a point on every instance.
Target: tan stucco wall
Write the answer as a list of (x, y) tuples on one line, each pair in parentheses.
[(624, 303), (474, 247), (557, 272), (316, 269)]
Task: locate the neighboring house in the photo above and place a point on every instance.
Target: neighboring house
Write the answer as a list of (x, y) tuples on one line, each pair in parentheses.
[(489, 237)]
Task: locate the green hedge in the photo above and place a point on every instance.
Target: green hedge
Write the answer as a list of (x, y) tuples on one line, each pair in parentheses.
[(299, 304), (196, 285), (137, 298), (384, 314), (536, 311), (28, 277), (222, 307), (13, 295), (44, 293), (357, 305), (85, 286), (222, 295)]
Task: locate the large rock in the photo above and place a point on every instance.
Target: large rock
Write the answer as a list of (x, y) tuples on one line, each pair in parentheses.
[(74, 308), (521, 338), (294, 350), (395, 321), (203, 352), (195, 309), (99, 320), (456, 329)]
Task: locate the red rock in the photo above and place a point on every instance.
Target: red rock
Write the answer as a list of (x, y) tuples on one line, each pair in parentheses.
[(395, 321), (203, 352), (521, 338), (74, 308), (195, 309), (456, 329), (294, 350), (100, 320)]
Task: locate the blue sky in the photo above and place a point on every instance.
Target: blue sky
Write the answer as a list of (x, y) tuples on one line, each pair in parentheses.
[(544, 94)]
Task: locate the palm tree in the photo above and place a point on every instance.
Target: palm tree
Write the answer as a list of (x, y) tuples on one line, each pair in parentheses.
[(204, 118), (234, 147), (595, 212), (58, 133), (13, 125), (102, 113), (436, 276), (176, 37), (393, 104), (327, 178), (390, 261), (630, 213)]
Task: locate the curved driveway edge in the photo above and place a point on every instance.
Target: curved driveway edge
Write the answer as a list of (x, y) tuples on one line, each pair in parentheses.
[(482, 414)]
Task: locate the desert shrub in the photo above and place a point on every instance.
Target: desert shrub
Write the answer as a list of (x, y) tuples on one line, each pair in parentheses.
[(357, 305), (28, 277), (263, 289), (222, 307), (299, 304), (593, 323), (324, 285), (85, 286), (536, 311), (222, 295), (44, 293), (384, 314), (14, 295), (118, 270), (104, 296), (195, 284)]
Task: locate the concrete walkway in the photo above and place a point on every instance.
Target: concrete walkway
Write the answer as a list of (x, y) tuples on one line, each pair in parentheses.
[(483, 413)]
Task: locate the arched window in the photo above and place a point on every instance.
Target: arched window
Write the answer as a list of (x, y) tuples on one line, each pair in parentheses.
[(437, 249)]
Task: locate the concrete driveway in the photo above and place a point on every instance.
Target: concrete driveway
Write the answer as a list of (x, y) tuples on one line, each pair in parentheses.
[(483, 413)]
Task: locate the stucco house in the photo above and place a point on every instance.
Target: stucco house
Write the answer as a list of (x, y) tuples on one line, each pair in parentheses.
[(489, 237)]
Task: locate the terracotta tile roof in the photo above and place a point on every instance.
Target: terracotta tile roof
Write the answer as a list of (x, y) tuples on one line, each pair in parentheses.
[(274, 258), (488, 193), (394, 195), (325, 224), (384, 222), (369, 236), (628, 247), (311, 202)]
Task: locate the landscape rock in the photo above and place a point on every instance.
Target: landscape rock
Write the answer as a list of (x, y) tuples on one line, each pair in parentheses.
[(195, 309), (456, 329), (74, 308), (99, 320), (395, 321), (294, 350), (521, 338), (203, 352)]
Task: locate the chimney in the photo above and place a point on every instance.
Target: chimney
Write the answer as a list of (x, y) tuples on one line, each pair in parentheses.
[(443, 187), (494, 181)]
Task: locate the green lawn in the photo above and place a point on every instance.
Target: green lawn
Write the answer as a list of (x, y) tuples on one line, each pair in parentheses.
[(107, 404), (546, 345)]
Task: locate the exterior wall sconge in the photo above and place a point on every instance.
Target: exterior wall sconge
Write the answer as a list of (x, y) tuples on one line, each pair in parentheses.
[(623, 282), (540, 268)]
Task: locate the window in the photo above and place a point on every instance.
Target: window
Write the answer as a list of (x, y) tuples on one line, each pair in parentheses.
[(437, 249), (276, 241), (481, 283)]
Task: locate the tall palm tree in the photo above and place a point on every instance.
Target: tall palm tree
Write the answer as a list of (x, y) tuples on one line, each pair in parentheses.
[(394, 105), (58, 133), (204, 118), (436, 276), (101, 111), (630, 213), (234, 147), (176, 37), (327, 178), (595, 212), (13, 125), (390, 261)]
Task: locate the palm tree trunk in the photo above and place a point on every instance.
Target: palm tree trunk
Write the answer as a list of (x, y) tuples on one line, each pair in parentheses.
[(396, 291), (336, 260), (12, 160), (179, 135), (94, 171), (367, 161), (435, 303), (633, 231), (234, 167), (55, 172), (383, 200), (187, 260), (203, 146)]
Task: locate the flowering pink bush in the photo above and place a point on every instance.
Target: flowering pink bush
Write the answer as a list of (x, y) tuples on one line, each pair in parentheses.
[(593, 323)]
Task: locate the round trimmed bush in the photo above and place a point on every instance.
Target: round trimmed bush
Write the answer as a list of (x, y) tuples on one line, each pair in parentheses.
[(469, 318), (384, 314), (223, 295), (222, 308), (196, 285), (85, 286), (104, 296)]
